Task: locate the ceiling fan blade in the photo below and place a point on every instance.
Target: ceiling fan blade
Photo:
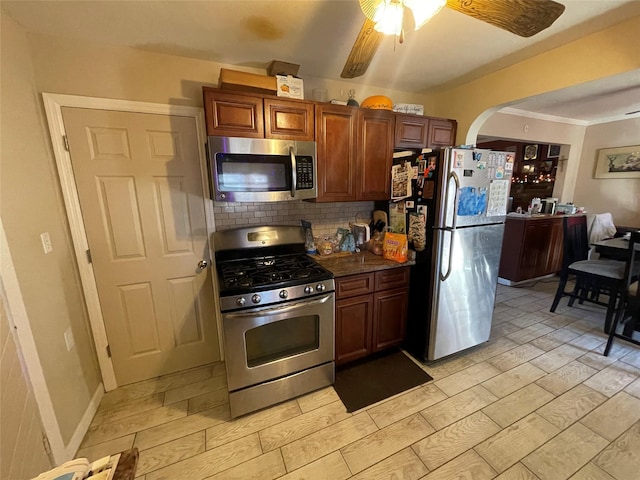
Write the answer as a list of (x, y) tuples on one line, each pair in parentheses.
[(522, 17), (362, 51)]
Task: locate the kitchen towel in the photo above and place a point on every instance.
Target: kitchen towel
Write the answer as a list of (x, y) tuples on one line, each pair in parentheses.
[(373, 379)]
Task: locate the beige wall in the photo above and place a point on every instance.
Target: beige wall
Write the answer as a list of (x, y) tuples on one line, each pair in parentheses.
[(31, 203), (621, 197), (513, 127), (575, 182), (22, 454), (611, 51), (64, 66)]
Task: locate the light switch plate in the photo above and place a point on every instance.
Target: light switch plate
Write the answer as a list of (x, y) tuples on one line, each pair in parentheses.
[(68, 339), (46, 242)]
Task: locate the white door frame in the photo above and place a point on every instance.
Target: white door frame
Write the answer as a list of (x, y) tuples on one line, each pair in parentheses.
[(53, 104)]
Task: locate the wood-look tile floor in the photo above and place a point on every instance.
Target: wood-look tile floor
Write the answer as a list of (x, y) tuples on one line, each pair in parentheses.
[(537, 401)]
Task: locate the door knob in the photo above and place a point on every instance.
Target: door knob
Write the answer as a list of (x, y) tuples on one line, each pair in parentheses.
[(202, 264)]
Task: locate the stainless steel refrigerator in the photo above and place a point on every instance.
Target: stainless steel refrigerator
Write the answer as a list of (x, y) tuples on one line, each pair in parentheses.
[(453, 283)]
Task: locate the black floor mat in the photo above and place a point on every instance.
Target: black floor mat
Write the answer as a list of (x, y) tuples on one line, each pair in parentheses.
[(368, 381)]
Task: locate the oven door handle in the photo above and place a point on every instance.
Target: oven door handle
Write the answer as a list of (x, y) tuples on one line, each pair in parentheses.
[(271, 310), (294, 174)]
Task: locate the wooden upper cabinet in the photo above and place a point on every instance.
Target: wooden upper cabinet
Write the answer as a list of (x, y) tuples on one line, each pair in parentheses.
[(442, 133), (336, 134), (412, 131), (375, 154), (288, 120), (233, 115)]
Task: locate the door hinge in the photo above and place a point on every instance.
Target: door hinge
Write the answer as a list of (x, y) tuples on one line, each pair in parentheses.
[(65, 140), (108, 351), (46, 445), (89, 259)]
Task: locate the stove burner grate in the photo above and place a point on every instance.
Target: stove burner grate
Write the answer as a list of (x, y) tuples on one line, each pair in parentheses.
[(267, 271)]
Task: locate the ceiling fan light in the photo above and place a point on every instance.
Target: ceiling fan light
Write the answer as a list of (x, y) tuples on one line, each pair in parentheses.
[(424, 10), (388, 17)]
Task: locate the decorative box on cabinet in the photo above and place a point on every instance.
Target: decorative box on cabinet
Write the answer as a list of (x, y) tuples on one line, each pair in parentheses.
[(532, 248), (371, 312), (257, 116)]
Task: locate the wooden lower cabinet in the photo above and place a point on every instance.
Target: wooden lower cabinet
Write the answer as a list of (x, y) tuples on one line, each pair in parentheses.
[(371, 313), (389, 318), (354, 324), (532, 247)]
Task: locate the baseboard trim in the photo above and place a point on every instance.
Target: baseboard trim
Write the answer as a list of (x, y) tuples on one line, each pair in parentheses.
[(509, 283), (85, 422)]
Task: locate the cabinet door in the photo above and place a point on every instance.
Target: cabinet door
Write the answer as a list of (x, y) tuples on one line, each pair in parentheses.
[(442, 133), (233, 115), (389, 318), (411, 131), (536, 251), (555, 250), (288, 120), (354, 320), (375, 154), (336, 152)]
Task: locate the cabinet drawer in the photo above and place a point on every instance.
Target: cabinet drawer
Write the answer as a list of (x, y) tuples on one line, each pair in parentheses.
[(354, 285), (392, 278)]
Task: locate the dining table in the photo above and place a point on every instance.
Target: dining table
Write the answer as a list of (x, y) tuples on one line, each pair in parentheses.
[(614, 248)]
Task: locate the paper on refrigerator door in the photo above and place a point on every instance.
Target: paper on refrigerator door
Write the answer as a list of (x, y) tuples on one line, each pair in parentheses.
[(498, 196), (401, 176)]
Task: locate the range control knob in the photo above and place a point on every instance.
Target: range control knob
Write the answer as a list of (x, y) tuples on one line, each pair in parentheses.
[(240, 301), (308, 289), (283, 294), (256, 298), (320, 287)]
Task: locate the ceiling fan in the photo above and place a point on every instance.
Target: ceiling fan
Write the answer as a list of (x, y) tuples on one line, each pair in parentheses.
[(522, 17)]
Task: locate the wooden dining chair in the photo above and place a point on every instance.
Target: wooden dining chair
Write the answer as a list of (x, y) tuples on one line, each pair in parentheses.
[(592, 277), (627, 318)]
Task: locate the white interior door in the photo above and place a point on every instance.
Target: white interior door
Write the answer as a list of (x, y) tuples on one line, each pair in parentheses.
[(139, 184)]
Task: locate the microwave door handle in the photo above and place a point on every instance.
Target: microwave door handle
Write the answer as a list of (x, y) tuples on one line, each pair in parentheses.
[(294, 177)]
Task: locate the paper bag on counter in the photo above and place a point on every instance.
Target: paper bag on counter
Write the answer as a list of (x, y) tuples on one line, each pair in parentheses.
[(395, 247)]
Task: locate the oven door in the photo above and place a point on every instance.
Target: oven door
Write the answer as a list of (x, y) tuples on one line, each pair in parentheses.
[(267, 343)]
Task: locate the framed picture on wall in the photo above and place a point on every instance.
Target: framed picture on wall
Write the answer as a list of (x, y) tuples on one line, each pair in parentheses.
[(531, 152), (620, 162), (554, 151)]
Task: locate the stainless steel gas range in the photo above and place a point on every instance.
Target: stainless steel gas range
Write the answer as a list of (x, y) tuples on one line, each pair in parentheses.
[(278, 315)]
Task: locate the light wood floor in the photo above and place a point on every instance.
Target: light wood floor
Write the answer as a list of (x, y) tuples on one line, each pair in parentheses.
[(538, 401)]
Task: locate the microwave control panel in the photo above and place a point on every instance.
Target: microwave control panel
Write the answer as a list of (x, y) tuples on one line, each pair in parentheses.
[(304, 172)]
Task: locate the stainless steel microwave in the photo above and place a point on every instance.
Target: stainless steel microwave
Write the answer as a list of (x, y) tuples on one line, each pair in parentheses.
[(261, 169)]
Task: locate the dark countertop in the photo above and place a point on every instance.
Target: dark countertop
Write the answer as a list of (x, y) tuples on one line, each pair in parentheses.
[(539, 216), (342, 265)]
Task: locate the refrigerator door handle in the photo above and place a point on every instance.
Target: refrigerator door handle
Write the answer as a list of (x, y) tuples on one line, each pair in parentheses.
[(446, 275), (456, 180)]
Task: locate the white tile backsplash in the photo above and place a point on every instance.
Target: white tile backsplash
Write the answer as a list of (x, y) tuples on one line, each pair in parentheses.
[(324, 217)]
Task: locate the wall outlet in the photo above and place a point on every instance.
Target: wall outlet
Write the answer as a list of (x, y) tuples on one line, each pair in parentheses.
[(46, 242), (68, 339)]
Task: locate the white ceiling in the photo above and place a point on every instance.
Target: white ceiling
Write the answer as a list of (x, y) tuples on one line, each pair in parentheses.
[(318, 34)]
